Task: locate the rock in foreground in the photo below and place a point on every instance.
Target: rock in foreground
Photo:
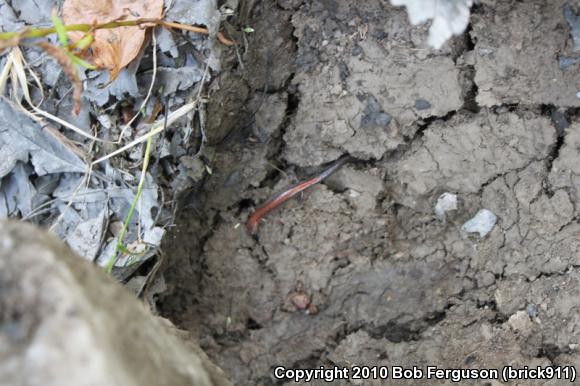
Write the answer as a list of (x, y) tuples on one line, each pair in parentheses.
[(65, 322)]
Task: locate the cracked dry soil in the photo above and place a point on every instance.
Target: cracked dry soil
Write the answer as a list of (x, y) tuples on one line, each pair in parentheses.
[(490, 117)]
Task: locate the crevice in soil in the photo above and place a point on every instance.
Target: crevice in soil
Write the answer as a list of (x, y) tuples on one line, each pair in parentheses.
[(393, 332), (551, 351), (468, 75), (544, 275), (499, 318), (422, 125), (293, 102), (469, 100), (274, 174), (404, 332), (555, 151), (560, 123)]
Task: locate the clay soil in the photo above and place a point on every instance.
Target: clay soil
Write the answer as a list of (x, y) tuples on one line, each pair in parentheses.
[(491, 117)]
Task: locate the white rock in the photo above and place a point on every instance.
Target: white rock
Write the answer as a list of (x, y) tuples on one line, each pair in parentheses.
[(482, 223), (445, 202), (521, 323)]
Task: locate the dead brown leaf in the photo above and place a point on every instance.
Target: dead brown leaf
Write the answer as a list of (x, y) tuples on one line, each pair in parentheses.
[(64, 60), (115, 48)]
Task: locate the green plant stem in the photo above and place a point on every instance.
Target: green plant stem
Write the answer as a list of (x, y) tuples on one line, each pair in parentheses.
[(120, 247), (32, 33)]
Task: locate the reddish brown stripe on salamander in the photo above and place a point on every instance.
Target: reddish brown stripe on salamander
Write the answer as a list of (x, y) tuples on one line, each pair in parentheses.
[(277, 200)]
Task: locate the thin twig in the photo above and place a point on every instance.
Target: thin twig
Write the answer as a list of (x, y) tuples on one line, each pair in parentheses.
[(201, 122), (156, 128), (153, 77)]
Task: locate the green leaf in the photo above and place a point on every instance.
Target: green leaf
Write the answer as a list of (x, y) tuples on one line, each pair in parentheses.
[(248, 30), (84, 42), (80, 62), (123, 249), (60, 30)]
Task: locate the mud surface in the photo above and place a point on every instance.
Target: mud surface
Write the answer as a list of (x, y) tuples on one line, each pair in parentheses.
[(491, 117)]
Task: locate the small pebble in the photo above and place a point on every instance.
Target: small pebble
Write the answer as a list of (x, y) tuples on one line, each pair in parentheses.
[(422, 104), (532, 311), (301, 301), (482, 223), (560, 120), (566, 62), (445, 203)]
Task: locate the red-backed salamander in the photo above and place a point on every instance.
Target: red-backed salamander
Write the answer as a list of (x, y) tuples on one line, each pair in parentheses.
[(261, 211)]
